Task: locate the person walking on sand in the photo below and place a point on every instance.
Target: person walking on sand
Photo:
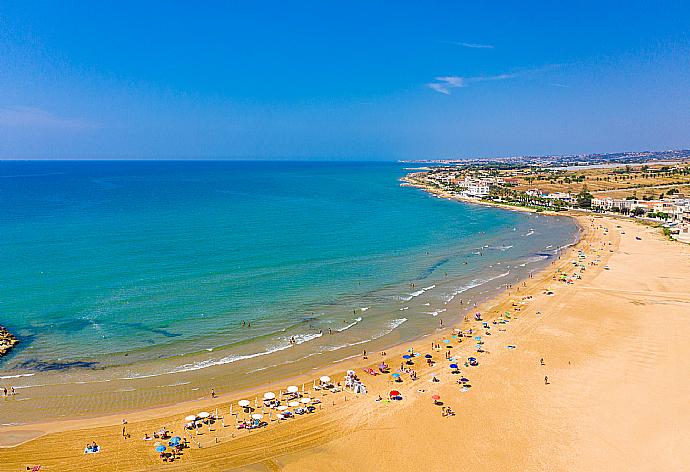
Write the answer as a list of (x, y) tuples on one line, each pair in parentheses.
[(213, 393), (546, 380), (541, 361)]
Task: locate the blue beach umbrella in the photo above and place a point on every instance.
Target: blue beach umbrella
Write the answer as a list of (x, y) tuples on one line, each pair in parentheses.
[(446, 341), (395, 374), (160, 448), (464, 379), (428, 356), (453, 366), (477, 338), (407, 356), (174, 441)]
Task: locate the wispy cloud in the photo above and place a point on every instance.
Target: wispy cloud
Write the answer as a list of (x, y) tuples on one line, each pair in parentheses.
[(470, 45), (475, 45), (30, 117), (445, 84)]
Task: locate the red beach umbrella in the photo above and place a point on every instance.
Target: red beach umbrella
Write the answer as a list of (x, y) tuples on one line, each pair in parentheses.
[(435, 397), (394, 393)]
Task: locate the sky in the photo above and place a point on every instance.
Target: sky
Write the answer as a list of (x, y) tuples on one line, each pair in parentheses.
[(341, 80)]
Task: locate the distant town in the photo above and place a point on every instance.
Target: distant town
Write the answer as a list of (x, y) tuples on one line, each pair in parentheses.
[(628, 157), (653, 186)]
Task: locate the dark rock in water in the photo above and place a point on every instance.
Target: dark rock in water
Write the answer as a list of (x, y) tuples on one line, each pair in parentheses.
[(7, 341), (45, 366)]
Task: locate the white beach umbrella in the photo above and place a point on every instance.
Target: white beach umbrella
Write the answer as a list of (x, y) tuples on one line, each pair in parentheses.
[(305, 400), (244, 403), (282, 408), (269, 396), (325, 379), (257, 416), (204, 414), (293, 389), (293, 404), (190, 418)]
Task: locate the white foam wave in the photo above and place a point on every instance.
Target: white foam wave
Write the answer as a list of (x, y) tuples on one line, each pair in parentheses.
[(436, 312), (15, 376), (530, 232), (357, 320)]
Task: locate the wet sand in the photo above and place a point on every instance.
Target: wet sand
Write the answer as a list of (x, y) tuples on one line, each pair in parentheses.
[(614, 350)]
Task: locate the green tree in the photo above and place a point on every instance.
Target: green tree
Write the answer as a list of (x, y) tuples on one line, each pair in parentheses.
[(584, 198)]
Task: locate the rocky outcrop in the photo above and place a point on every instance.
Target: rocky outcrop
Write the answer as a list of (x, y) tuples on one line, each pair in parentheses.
[(7, 341)]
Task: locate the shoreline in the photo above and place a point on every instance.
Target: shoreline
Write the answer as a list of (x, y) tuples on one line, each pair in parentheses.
[(159, 391), (157, 413)]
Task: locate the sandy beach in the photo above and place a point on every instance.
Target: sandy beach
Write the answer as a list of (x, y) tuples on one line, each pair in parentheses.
[(613, 349)]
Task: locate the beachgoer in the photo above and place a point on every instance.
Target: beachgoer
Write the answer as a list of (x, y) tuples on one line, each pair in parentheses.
[(542, 361), (546, 380), (213, 393)]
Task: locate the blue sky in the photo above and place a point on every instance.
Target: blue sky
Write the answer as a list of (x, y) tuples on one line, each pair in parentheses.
[(341, 80)]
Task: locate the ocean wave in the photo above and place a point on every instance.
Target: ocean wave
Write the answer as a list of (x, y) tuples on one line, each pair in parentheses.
[(417, 293), (3, 377), (530, 232), (473, 284), (364, 308), (436, 312), (357, 320)]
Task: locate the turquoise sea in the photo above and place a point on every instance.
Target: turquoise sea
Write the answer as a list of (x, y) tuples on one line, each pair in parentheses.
[(151, 267)]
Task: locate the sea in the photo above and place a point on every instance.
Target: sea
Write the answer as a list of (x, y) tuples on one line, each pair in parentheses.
[(112, 272)]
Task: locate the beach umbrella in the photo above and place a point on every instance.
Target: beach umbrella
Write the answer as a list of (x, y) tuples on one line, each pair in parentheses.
[(305, 400), (446, 341), (436, 397), (257, 416), (395, 374), (174, 441), (160, 448), (394, 393), (293, 404), (407, 356), (477, 338), (292, 389), (350, 372), (269, 396), (325, 379), (464, 379), (282, 408), (428, 356), (204, 414), (453, 366), (190, 418), (244, 403)]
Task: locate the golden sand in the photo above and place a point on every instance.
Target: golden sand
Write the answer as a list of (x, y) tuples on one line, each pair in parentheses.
[(615, 352)]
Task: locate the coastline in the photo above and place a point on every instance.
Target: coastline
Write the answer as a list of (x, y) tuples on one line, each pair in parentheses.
[(91, 392), (26, 433), (340, 427)]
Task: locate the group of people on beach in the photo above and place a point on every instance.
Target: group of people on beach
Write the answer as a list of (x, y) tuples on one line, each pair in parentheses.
[(6, 393)]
